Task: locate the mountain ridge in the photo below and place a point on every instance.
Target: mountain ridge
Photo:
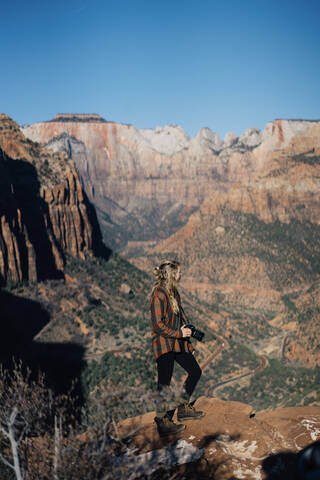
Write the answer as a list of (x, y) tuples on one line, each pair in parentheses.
[(132, 181)]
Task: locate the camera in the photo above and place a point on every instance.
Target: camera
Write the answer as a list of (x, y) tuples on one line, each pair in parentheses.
[(195, 333)]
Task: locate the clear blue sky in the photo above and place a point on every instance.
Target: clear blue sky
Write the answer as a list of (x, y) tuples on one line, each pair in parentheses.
[(227, 65)]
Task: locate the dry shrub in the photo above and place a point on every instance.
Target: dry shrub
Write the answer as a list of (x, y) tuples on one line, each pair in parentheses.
[(42, 438)]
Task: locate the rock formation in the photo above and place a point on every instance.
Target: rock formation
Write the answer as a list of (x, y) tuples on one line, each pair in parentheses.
[(44, 213), (134, 177), (234, 445), (146, 183)]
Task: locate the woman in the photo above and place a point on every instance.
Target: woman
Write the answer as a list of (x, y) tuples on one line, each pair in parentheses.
[(171, 342)]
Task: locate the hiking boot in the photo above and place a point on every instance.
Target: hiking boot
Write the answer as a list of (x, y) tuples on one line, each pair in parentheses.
[(167, 426), (186, 411)]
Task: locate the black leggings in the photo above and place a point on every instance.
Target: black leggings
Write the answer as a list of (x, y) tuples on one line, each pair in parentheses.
[(187, 361)]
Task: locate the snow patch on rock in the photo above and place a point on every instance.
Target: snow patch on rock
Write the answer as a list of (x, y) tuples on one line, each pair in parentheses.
[(244, 473), (242, 449), (310, 425), (147, 463)]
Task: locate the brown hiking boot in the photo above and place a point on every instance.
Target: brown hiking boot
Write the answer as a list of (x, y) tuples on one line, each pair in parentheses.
[(167, 426), (186, 411)]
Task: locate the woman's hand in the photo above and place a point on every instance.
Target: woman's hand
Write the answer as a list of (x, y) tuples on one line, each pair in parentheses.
[(186, 332)]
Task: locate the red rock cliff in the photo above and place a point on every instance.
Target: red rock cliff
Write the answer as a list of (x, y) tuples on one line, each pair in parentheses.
[(43, 210)]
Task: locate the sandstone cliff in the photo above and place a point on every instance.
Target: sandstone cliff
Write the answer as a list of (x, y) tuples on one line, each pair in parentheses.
[(44, 213), (142, 182), (146, 183)]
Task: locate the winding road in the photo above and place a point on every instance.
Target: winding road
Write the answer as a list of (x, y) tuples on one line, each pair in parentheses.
[(262, 365)]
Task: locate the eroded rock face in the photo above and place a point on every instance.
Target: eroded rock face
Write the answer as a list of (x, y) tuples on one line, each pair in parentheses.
[(237, 446), (278, 134), (167, 140), (44, 213), (230, 139), (142, 182), (138, 178), (251, 138)]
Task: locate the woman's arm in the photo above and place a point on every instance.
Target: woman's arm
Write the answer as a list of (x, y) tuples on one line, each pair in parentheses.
[(157, 315)]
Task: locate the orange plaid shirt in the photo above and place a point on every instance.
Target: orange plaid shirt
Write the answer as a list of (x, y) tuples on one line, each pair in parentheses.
[(166, 324)]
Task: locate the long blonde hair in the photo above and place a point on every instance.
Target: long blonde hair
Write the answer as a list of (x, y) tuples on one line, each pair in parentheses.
[(164, 275)]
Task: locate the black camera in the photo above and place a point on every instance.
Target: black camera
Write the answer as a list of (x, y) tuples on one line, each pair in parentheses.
[(195, 333)]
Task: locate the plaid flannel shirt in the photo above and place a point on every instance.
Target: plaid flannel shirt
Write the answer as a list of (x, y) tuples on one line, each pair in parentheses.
[(166, 325)]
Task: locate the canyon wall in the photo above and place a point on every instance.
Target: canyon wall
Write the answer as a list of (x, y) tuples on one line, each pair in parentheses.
[(146, 183), (44, 213)]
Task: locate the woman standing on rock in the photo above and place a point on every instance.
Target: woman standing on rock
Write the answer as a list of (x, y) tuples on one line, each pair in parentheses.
[(171, 342)]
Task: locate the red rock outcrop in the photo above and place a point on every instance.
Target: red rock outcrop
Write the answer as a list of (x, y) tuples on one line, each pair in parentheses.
[(235, 445), (43, 211)]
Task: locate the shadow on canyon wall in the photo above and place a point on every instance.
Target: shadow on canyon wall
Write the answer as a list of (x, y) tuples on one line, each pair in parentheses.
[(19, 192), (21, 319), (27, 215), (98, 246), (62, 363)]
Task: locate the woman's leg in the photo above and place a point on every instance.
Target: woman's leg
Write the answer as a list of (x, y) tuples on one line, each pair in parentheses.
[(186, 410), (190, 364), (165, 369), (165, 365)]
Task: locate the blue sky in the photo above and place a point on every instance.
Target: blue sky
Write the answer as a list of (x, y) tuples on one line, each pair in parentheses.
[(226, 65)]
